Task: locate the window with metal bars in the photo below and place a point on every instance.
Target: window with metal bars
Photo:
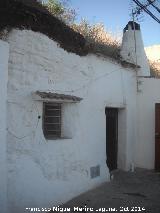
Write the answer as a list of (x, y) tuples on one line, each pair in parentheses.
[(52, 120)]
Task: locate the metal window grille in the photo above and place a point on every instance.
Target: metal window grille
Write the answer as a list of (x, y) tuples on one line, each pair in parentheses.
[(52, 120)]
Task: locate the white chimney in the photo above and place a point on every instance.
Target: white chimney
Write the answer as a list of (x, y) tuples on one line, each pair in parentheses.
[(132, 49)]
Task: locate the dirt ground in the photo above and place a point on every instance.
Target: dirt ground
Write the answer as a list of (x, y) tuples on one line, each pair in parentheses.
[(137, 191)]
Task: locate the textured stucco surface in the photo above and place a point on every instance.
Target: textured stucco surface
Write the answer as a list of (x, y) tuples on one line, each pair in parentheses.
[(46, 173), (132, 50), (147, 98), (4, 54)]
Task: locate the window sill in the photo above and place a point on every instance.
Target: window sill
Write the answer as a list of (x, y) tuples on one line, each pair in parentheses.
[(61, 138)]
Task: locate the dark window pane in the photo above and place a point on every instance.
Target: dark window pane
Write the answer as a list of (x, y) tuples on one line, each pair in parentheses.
[(52, 120), (52, 126)]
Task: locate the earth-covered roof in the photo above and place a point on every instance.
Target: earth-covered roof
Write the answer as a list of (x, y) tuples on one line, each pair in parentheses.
[(32, 15)]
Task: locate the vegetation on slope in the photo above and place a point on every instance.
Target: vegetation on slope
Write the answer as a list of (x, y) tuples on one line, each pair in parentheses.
[(98, 40)]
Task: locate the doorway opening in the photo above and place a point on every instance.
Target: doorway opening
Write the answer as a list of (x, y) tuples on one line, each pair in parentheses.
[(157, 137), (111, 137)]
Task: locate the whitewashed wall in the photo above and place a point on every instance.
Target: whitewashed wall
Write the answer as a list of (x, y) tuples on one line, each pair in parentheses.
[(45, 173), (132, 50), (145, 147), (4, 54)]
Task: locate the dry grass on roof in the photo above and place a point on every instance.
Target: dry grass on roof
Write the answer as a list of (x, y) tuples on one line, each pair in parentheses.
[(31, 15), (155, 68)]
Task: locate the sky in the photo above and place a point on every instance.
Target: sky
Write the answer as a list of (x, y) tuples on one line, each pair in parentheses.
[(115, 15)]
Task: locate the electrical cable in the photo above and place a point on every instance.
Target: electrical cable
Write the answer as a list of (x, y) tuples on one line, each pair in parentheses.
[(143, 7), (80, 88), (152, 3), (29, 134), (91, 81)]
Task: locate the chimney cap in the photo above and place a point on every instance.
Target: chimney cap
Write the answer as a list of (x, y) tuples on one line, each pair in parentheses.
[(132, 25)]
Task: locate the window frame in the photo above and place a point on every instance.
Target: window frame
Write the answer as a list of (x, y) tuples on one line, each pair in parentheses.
[(52, 136)]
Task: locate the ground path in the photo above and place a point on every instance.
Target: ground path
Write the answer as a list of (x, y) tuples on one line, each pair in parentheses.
[(128, 189)]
